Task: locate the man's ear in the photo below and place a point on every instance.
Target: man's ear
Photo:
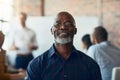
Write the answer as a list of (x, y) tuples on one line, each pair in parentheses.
[(75, 30), (52, 31)]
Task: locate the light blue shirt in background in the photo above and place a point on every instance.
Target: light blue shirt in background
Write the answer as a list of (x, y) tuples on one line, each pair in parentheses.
[(107, 56)]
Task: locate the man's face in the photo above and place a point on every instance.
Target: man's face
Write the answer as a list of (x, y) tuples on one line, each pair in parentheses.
[(22, 19), (64, 29)]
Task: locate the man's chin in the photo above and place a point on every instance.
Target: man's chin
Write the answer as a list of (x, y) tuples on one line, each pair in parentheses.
[(63, 40)]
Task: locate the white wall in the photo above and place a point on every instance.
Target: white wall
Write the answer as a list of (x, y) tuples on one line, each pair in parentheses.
[(42, 25)]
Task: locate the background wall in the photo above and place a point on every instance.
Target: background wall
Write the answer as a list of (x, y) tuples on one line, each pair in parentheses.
[(110, 10)]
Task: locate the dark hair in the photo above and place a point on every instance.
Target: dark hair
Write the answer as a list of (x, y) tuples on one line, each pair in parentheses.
[(86, 39), (100, 34)]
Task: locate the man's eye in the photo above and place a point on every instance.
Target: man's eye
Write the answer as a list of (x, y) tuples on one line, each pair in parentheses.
[(57, 24), (68, 24)]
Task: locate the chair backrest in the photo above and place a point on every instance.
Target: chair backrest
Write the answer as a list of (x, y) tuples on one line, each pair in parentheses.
[(116, 73)]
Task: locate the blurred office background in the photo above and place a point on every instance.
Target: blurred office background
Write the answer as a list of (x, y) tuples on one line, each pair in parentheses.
[(41, 13)]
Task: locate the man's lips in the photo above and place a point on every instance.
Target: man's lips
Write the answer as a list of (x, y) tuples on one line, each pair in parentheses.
[(63, 34)]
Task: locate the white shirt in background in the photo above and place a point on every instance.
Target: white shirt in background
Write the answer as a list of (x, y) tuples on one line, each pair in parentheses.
[(23, 38)]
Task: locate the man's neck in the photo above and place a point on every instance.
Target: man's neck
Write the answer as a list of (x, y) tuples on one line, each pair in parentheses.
[(23, 25), (64, 49)]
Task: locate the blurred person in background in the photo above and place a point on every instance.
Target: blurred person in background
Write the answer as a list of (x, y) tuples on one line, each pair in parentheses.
[(24, 42), (86, 42), (104, 52)]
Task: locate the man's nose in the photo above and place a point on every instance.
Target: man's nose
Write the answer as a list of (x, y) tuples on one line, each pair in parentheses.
[(62, 26)]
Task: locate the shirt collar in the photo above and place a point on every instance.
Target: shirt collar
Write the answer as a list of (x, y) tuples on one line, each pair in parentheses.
[(52, 51), (105, 43)]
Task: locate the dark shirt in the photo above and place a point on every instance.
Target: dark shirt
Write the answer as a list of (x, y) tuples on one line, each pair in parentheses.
[(51, 66)]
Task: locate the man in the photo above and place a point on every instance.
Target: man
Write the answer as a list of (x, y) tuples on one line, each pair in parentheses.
[(62, 61), (103, 52), (24, 42)]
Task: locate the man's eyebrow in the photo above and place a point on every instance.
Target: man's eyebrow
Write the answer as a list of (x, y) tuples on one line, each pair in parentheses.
[(69, 21), (64, 22), (57, 21)]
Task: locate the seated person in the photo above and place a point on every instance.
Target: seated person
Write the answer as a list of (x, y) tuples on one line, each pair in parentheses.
[(104, 52), (63, 61)]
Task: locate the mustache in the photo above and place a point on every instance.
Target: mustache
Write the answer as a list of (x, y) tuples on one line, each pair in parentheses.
[(63, 31)]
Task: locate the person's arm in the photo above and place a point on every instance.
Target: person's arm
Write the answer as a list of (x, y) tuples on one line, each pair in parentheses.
[(13, 47), (12, 41), (33, 47)]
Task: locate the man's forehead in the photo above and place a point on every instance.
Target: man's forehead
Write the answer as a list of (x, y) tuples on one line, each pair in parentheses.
[(64, 17)]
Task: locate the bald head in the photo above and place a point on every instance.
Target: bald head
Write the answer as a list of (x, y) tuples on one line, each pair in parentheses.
[(65, 15)]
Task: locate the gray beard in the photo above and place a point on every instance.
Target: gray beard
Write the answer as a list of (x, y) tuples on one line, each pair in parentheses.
[(63, 40)]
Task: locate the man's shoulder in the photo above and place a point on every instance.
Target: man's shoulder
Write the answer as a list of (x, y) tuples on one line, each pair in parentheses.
[(87, 60), (94, 47), (41, 57), (85, 56), (30, 30), (93, 50)]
